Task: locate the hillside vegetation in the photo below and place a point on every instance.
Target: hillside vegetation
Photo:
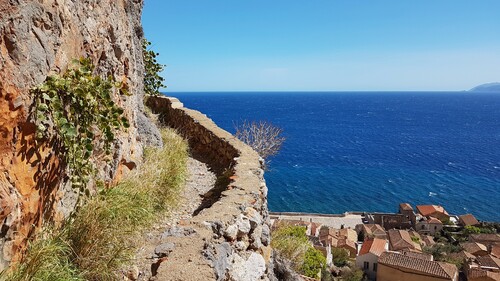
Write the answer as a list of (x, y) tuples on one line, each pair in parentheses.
[(96, 241)]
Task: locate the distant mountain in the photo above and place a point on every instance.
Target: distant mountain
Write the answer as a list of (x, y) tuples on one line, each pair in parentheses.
[(488, 87)]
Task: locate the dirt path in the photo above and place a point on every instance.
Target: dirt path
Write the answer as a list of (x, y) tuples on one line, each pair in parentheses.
[(167, 251)]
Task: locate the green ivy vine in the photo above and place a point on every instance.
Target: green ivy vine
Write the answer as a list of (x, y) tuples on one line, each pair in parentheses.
[(77, 109), (152, 79)]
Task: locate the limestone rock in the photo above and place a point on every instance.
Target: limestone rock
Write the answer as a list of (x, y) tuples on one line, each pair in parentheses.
[(40, 38), (243, 225), (231, 232), (164, 249), (250, 269), (256, 237)]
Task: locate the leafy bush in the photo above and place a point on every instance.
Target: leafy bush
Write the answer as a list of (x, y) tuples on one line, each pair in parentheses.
[(441, 251), (355, 274), (340, 257), (292, 243), (314, 261), (76, 108), (152, 79)]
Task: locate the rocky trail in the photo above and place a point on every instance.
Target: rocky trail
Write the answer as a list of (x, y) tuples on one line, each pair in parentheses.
[(170, 250)]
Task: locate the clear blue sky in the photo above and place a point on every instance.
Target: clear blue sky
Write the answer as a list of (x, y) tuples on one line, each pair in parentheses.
[(322, 45)]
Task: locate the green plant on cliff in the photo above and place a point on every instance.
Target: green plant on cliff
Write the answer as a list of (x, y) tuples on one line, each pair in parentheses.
[(98, 239), (77, 108), (46, 259), (152, 68), (101, 232), (314, 261), (292, 243)]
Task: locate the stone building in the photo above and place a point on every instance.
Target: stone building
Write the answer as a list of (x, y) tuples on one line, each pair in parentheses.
[(369, 253), (397, 267)]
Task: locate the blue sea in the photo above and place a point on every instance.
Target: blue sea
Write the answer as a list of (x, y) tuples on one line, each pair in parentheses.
[(370, 151)]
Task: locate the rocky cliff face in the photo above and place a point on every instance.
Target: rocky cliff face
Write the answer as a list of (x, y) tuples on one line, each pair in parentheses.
[(39, 38)]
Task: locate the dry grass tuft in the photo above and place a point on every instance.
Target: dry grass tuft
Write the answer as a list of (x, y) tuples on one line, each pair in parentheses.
[(47, 259), (97, 240)]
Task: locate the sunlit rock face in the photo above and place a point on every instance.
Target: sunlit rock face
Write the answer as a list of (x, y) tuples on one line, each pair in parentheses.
[(37, 39)]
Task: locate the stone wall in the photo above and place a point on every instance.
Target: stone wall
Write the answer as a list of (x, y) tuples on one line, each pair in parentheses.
[(238, 243), (39, 38)]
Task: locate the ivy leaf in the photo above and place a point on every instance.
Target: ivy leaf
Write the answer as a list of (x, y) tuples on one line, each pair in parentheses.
[(71, 132), (43, 107), (41, 127)]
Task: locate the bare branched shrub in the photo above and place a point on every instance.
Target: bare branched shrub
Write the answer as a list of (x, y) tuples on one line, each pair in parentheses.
[(262, 136)]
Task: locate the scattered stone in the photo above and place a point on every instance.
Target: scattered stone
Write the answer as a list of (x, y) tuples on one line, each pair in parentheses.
[(133, 273), (164, 249), (240, 246), (243, 225), (231, 232), (178, 232), (251, 269)]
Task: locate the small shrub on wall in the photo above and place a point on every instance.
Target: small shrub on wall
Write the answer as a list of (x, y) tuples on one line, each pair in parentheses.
[(76, 109)]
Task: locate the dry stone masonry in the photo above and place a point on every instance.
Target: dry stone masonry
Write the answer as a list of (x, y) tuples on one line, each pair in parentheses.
[(233, 228)]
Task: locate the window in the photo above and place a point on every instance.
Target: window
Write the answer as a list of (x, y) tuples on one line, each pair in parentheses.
[(375, 267), (366, 265)]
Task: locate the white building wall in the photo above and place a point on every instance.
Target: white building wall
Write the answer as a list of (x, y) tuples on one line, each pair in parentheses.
[(371, 259)]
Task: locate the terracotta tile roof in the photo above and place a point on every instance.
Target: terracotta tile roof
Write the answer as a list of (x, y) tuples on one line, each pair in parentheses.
[(401, 239), (489, 261), (473, 247), (491, 238), (418, 255), (468, 219), (495, 250), (428, 240), (475, 273), (434, 220), (427, 210), (405, 207), (346, 243), (462, 255), (374, 229), (375, 246), (348, 233), (425, 267)]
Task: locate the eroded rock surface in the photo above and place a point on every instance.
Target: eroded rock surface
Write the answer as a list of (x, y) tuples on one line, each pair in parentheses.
[(39, 38)]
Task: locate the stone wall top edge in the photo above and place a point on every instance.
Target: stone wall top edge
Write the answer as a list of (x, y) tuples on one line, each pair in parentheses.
[(211, 126)]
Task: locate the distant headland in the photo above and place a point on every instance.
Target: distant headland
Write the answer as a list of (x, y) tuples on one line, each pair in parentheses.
[(488, 87)]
